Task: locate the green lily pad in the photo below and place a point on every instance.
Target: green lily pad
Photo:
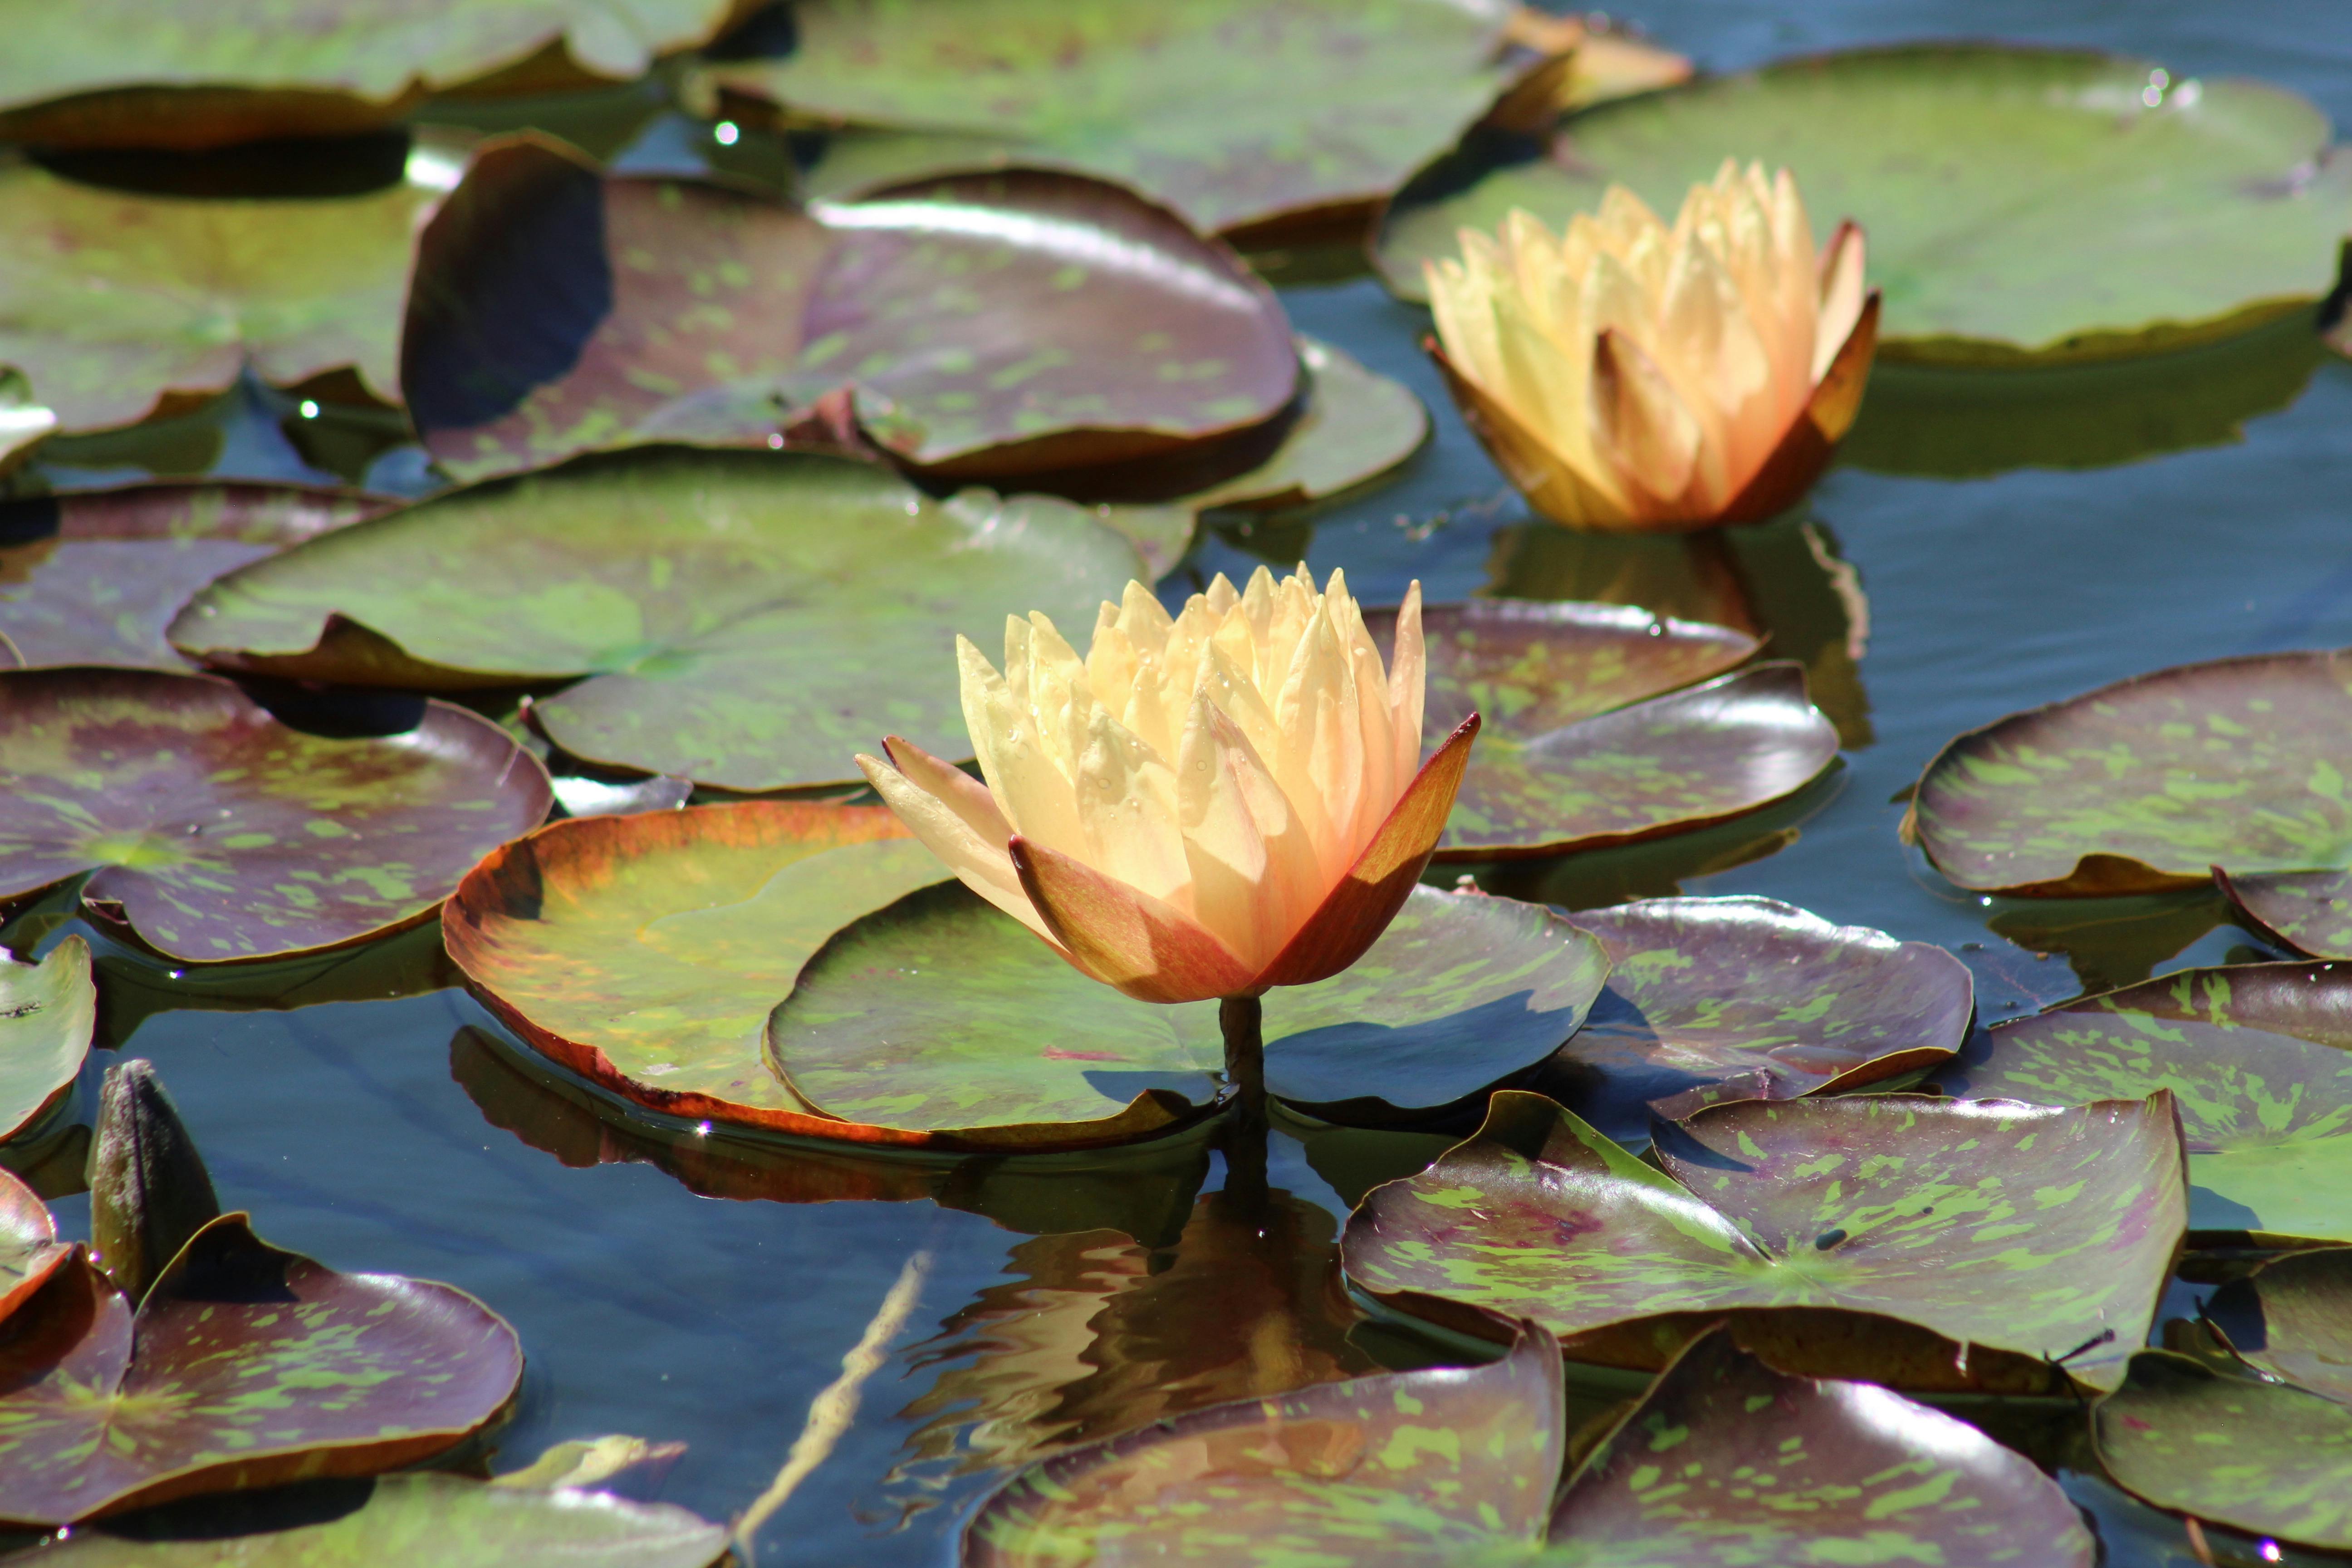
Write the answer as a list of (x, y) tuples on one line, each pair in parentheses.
[(2307, 911), (747, 620), (1232, 111), (2291, 1319), (1712, 1000), (645, 952), (133, 73), (2148, 784), (47, 1011), (987, 327), (220, 833), (214, 1384), (29, 1248), (111, 300), (2023, 205), (2266, 1458), (942, 1015), (2012, 1234), (115, 566), (437, 1521), (2259, 1058), (1463, 1465)]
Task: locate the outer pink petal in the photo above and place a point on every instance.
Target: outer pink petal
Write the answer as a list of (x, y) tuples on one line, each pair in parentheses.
[(1124, 937)]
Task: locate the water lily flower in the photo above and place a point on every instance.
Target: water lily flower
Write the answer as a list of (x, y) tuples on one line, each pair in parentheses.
[(1625, 375), (1205, 806)]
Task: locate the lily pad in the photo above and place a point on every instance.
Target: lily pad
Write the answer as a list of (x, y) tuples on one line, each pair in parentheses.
[(221, 833), (2023, 205), (2147, 783), (111, 301), (133, 73), (2306, 911), (1464, 1465), (115, 566), (983, 326), (1234, 113), (2291, 1319), (748, 620), (437, 1521), (1712, 1000), (214, 1384), (2014, 1235), (47, 1011), (29, 1248), (942, 1016), (2259, 1058)]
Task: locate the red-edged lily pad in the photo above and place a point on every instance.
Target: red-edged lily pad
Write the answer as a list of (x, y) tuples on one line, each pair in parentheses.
[(29, 1248), (220, 833), (1718, 999), (105, 582), (988, 327), (747, 620), (2011, 1235), (1464, 1465), (2148, 784), (47, 1011)]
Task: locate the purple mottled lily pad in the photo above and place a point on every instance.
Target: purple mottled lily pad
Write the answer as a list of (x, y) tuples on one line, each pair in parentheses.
[(2291, 1319), (2306, 911), (219, 832)]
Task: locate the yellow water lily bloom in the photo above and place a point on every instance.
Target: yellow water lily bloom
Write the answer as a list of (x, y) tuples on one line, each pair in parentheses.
[(1626, 375), (1207, 805)]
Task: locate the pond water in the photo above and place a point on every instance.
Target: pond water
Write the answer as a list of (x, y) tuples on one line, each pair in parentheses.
[(391, 1126)]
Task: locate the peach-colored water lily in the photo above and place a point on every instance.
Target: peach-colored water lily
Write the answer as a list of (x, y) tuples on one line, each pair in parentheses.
[(1626, 375), (1205, 806)]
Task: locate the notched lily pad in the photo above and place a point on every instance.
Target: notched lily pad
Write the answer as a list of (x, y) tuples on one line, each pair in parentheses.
[(2023, 205), (2147, 783), (219, 832), (245, 1366), (47, 1011), (1464, 1465), (2258, 1057), (112, 568), (1743, 998), (747, 620), (1931, 1243), (983, 326)]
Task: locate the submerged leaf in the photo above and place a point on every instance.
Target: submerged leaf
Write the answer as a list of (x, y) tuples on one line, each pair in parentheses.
[(47, 1011)]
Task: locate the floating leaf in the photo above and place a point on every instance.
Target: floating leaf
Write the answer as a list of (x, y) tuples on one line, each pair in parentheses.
[(114, 567), (2146, 785), (2291, 1319), (443, 1521), (1233, 111), (110, 301), (988, 327), (2012, 1233), (1461, 1464), (221, 833), (1718, 999), (586, 1461), (131, 73), (2259, 1058), (216, 1384), (148, 1191), (746, 620), (2023, 205), (942, 1016), (2308, 911), (47, 1011), (29, 1248)]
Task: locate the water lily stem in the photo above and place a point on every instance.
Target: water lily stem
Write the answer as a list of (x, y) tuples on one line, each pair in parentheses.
[(1243, 1018)]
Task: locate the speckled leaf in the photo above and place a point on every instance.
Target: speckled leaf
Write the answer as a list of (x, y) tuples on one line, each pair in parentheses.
[(747, 620), (645, 952), (1996, 1227), (109, 300), (46, 1011), (1233, 111), (989, 326), (2291, 1319), (437, 1521), (2306, 911), (2259, 1057), (2147, 783), (30, 1249), (1743, 998), (222, 833), (144, 73), (245, 1366), (2022, 203), (2265, 1458), (112, 568)]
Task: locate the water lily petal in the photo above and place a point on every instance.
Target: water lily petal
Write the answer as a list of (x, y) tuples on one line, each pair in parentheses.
[(1124, 938), (961, 846)]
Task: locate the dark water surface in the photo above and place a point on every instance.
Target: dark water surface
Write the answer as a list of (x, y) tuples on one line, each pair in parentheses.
[(386, 1127)]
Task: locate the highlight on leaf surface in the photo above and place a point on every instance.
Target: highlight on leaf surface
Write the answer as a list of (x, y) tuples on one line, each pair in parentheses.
[(47, 1011), (1627, 375)]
